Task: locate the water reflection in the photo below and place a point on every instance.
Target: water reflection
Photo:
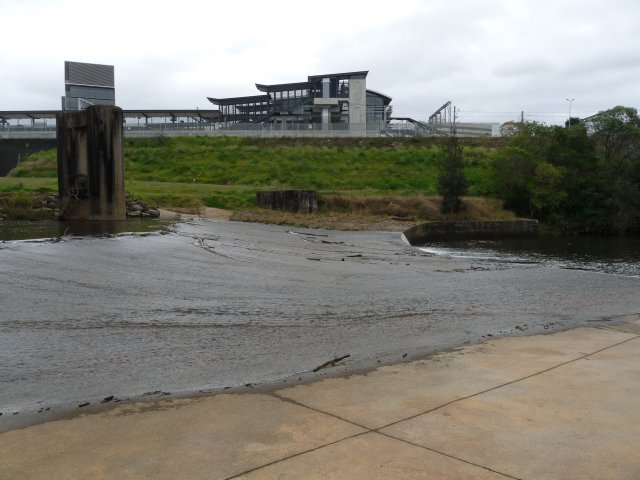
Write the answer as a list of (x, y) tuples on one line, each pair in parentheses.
[(617, 255), (24, 230)]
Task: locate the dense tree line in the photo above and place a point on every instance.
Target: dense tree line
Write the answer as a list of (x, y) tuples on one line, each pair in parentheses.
[(582, 177)]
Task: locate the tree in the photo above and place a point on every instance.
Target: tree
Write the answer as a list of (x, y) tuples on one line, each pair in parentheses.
[(513, 172), (572, 121), (452, 183), (572, 152), (547, 194), (616, 131), (584, 178), (617, 135)]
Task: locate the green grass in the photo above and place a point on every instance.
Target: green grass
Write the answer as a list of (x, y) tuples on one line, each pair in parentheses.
[(192, 195), (231, 161), (37, 165), (364, 164), (12, 184), (225, 172)]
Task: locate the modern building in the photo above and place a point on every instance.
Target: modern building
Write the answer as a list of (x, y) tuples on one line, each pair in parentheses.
[(334, 104), (335, 101), (87, 84)]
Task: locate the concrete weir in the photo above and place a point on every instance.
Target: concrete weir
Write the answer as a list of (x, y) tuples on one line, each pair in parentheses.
[(91, 164), (288, 200), (421, 234)]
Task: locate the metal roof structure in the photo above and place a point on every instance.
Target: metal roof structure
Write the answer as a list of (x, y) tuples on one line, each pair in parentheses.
[(210, 115), (284, 86), (240, 100), (311, 82), (89, 74), (386, 98), (28, 114), (88, 84), (361, 74)]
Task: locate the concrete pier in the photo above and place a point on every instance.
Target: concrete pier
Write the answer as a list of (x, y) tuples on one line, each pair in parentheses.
[(288, 200), (91, 164), (429, 231)]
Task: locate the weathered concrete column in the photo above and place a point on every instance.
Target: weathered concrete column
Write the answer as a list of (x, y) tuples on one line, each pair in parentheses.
[(91, 164), (358, 106), (304, 201)]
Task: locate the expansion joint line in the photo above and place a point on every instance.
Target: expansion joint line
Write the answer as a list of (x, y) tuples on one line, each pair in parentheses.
[(365, 432), (517, 380), (447, 455), (299, 454), (378, 430), (486, 391), (307, 407)]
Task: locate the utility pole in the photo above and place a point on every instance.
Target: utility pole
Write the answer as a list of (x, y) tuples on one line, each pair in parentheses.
[(522, 116), (570, 100), (453, 123)]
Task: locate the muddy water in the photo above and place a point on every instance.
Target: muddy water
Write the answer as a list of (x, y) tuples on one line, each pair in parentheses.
[(613, 255), (41, 229), (222, 304)]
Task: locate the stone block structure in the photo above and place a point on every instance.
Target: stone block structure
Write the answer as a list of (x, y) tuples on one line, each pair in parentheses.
[(298, 201)]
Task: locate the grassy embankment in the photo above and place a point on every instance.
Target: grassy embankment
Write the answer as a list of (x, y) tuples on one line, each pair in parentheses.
[(357, 179)]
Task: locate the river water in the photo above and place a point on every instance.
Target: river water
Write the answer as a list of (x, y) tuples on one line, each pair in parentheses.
[(43, 229), (613, 255), (210, 305)]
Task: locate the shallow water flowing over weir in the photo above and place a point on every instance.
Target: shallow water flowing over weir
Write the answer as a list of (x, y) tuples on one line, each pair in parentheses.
[(223, 304), (51, 229), (614, 255)]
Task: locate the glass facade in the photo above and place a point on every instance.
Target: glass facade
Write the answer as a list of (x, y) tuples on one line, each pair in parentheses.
[(321, 100)]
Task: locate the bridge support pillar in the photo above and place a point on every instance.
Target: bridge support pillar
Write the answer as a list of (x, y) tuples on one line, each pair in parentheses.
[(91, 164)]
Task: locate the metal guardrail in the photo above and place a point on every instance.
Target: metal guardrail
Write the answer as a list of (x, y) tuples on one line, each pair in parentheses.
[(27, 133), (185, 130), (401, 129)]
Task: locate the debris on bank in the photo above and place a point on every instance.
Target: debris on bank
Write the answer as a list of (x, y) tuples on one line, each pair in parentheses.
[(140, 209), (331, 363), (37, 206)]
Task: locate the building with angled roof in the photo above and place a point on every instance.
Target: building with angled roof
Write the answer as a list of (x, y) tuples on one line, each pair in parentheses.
[(87, 84), (336, 101)]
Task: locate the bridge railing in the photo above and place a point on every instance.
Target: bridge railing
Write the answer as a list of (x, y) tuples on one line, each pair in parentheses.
[(195, 129), (24, 132)]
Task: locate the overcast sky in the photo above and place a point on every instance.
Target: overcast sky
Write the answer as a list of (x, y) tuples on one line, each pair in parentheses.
[(491, 58)]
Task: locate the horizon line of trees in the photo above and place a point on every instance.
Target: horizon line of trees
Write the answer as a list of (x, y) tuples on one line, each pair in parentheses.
[(583, 177)]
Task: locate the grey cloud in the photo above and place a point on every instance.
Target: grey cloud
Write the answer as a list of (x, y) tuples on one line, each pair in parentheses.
[(489, 56)]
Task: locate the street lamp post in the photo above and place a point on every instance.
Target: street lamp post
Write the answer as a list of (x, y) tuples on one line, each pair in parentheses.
[(570, 100)]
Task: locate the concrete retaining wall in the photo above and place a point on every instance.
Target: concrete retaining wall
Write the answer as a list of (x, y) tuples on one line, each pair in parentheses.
[(304, 201), (10, 149), (423, 233)]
